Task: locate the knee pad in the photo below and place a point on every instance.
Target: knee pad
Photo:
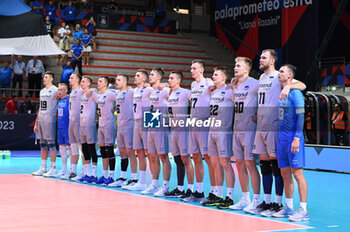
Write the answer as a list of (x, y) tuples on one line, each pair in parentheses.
[(43, 147), (275, 169), (51, 145), (265, 166), (110, 152), (178, 160), (74, 149), (86, 152), (103, 152), (92, 151)]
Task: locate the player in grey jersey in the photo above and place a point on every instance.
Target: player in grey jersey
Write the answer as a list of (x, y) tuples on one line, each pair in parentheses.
[(246, 101), (45, 125)]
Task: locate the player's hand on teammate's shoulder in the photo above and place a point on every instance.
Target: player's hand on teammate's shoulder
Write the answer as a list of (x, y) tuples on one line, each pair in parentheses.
[(285, 91), (255, 118), (234, 82), (146, 85), (211, 88), (163, 85), (90, 91)]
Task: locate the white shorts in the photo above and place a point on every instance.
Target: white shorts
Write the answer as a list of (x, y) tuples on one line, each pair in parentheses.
[(74, 133), (88, 134), (87, 49), (125, 137), (158, 142), (220, 143), (179, 142), (106, 135), (46, 130), (198, 141), (140, 136), (243, 143), (265, 142)]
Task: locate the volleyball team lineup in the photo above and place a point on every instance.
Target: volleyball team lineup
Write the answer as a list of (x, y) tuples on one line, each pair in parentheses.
[(260, 120)]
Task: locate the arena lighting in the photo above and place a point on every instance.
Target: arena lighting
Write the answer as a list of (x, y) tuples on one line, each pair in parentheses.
[(181, 11), (334, 88)]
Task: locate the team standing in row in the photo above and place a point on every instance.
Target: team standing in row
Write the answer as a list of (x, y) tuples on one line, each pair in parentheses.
[(263, 115)]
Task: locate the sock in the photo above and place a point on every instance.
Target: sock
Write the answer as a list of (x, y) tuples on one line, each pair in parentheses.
[(303, 205), (212, 189), (134, 176), (180, 187), (123, 174), (230, 193), (166, 183), (143, 177), (199, 187), (52, 165), (94, 170), (74, 168), (105, 173), (190, 186), (267, 198), (155, 182), (245, 196), (219, 192), (289, 203), (278, 199), (111, 174), (43, 164), (88, 169), (256, 197)]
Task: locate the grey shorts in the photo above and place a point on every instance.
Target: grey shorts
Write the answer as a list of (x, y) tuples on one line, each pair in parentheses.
[(125, 137), (74, 133), (179, 142), (106, 135), (265, 142), (140, 136), (198, 141), (220, 143), (243, 143), (46, 130), (88, 134), (158, 142)]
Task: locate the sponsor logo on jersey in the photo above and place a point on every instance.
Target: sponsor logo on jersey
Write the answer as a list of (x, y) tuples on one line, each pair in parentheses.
[(246, 87), (241, 95), (197, 92), (265, 85), (178, 93), (217, 99), (173, 100), (154, 99)]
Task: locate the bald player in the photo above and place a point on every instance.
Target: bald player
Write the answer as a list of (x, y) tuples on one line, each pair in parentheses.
[(45, 125)]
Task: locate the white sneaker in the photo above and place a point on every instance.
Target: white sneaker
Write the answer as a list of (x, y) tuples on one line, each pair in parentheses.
[(162, 191), (240, 205), (252, 206), (78, 177), (50, 173), (118, 183), (66, 175), (150, 190), (137, 187), (129, 184), (59, 174), (40, 172)]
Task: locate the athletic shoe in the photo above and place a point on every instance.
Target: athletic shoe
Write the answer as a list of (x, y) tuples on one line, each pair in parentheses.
[(77, 177), (214, 201), (108, 182), (162, 191), (129, 184), (118, 182), (138, 187), (50, 173), (225, 204), (100, 181), (299, 215), (175, 193), (252, 206), (209, 198), (187, 194), (240, 205), (150, 190), (195, 197), (66, 175), (84, 178), (90, 180), (72, 175), (274, 208), (59, 174), (284, 212), (40, 172), (260, 208)]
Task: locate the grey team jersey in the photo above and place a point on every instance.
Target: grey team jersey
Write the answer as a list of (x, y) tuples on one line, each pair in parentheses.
[(105, 103), (48, 104), (178, 104), (74, 106), (246, 104), (200, 98), (124, 108), (158, 99), (141, 101), (221, 108), (87, 110)]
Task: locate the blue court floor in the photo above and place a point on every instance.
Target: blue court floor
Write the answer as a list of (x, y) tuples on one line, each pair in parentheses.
[(328, 198)]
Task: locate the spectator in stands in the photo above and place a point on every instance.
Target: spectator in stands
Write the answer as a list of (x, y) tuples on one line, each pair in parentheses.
[(91, 26), (50, 10), (160, 9), (67, 71), (308, 125), (86, 41), (5, 78), (77, 53), (35, 72), (11, 106), (49, 26), (339, 125), (38, 7), (27, 107), (111, 84), (77, 33), (64, 33), (112, 7), (69, 13), (19, 72)]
